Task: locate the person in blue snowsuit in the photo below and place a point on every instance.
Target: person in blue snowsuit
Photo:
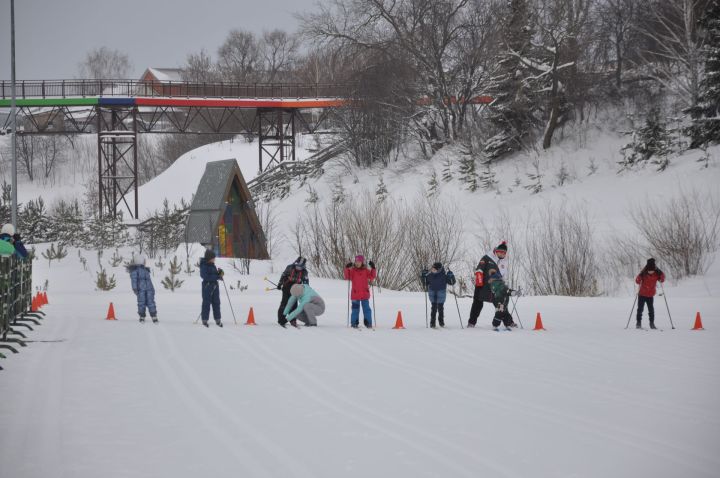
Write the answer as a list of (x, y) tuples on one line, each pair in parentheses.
[(210, 289), (143, 288), (436, 281), (8, 234)]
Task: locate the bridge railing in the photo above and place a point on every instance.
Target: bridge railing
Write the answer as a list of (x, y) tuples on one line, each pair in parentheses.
[(182, 89)]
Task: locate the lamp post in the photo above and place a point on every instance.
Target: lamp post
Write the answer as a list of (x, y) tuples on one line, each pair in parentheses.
[(13, 118)]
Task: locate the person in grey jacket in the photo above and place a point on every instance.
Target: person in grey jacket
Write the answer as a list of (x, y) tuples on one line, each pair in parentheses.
[(309, 306)]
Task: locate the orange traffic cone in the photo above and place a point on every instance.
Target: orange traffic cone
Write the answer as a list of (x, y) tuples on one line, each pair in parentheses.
[(398, 321), (34, 305), (251, 317), (111, 312), (698, 322), (45, 299), (538, 323)]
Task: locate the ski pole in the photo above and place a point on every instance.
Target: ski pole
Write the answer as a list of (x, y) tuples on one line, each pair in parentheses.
[(200, 314), (515, 311), (374, 317), (631, 311), (268, 280), (230, 303), (458, 307), (426, 305), (666, 305), (348, 307)]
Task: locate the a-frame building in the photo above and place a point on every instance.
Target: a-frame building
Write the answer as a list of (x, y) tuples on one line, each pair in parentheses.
[(222, 215)]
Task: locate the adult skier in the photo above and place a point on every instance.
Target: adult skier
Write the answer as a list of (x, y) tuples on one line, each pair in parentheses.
[(307, 303), (497, 261), (143, 288), (294, 273), (436, 281), (360, 276), (647, 280), (210, 291)]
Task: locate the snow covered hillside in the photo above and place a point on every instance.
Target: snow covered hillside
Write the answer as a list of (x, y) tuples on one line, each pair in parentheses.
[(583, 398)]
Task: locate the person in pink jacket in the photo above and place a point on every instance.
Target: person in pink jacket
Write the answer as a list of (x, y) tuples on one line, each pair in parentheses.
[(360, 276)]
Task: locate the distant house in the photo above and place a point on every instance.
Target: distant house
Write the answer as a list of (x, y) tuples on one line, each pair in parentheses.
[(163, 82), (222, 215)]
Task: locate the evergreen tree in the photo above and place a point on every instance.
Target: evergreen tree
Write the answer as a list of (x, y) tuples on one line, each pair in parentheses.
[(650, 141), (67, 223), (433, 185), (535, 177), (468, 173), (447, 174), (171, 281), (487, 177), (381, 191), (511, 110), (34, 223), (705, 127)]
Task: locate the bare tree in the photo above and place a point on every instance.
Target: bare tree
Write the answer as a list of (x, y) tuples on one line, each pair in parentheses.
[(104, 63), (619, 21), (279, 51), (199, 68), (239, 57)]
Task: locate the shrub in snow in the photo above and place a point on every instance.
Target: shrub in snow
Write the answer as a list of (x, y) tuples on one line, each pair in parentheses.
[(171, 281), (652, 141), (52, 254), (381, 192), (535, 177), (433, 185), (103, 282), (116, 259)]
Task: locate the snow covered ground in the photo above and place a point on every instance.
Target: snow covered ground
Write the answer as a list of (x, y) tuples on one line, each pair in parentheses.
[(585, 398)]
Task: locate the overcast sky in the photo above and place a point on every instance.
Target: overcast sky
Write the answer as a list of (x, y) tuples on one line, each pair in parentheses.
[(52, 36)]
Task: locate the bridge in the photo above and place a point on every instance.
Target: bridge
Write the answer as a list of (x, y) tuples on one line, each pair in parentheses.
[(118, 110)]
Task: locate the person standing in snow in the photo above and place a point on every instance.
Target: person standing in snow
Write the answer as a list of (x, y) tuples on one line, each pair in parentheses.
[(436, 281), (309, 306), (294, 273), (647, 280), (210, 291), (360, 276), (501, 299), (143, 288), (497, 260), (10, 236)]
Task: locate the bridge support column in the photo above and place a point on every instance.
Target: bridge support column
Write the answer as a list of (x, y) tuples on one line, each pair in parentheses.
[(117, 160), (276, 136)]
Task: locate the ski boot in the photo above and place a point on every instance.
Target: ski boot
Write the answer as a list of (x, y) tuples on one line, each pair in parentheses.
[(218, 323), (470, 325), (652, 325), (441, 323), (293, 322), (142, 319), (205, 323), (638, 325), (154, 319), (368, 325)]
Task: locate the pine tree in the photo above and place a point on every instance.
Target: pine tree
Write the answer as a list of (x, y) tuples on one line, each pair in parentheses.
[(447, 174), (468, 173), (381, 191), (34, 222), (706, 115), (511, 110), (103, 282), (487, 177), (171, 281), (433, 185), (67, 223), (535, 177), (650, 141)]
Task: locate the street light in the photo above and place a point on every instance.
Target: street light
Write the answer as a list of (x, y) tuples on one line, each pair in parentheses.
[(13, 118)]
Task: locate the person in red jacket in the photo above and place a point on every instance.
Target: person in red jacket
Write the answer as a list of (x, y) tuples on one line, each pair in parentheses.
[(647, 280), (360, 276)]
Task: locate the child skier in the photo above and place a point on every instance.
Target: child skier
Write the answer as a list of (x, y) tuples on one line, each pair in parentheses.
[(294, 273), (501, 299), (210, 290), (360, 276), (143, 288), (436, 281), (309, 306), (647, 280), (497, 260)]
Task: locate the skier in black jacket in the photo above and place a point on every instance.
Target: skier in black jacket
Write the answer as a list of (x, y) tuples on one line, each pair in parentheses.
[(294, 273), (497, 261)]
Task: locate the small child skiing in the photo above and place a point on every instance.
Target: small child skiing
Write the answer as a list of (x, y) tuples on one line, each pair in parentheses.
[(501, 299), (436, 281), (210, 290), (360, 275), (647, 280), (143, 288)]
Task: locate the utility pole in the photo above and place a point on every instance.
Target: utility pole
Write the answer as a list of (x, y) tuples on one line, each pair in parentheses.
[(13, 117)]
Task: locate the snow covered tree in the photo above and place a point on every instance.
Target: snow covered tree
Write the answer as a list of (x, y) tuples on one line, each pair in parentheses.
[(535, 176), (103, 282), (487, 177), (512, 111), (381, 191), (706, 114), (33, 222), (433, 185), (67, 223), (171, 281), (650, 141), (6, 203), (447, 173), (468, 173)]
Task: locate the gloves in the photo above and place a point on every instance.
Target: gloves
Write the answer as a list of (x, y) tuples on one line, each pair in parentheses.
[(279, 286), (371, 264), (424, 273), (17, 237), (348, 265), (221, 273)]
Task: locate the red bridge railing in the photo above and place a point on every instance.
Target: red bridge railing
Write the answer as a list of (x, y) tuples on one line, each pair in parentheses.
[(180, 89)]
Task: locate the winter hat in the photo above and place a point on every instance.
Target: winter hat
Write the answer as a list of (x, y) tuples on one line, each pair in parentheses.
[(8, 229), (360, 258), (297, 290), (300, 263), (140, 260), (437, 265), (650, 266), (502, 247), (209, 254)]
